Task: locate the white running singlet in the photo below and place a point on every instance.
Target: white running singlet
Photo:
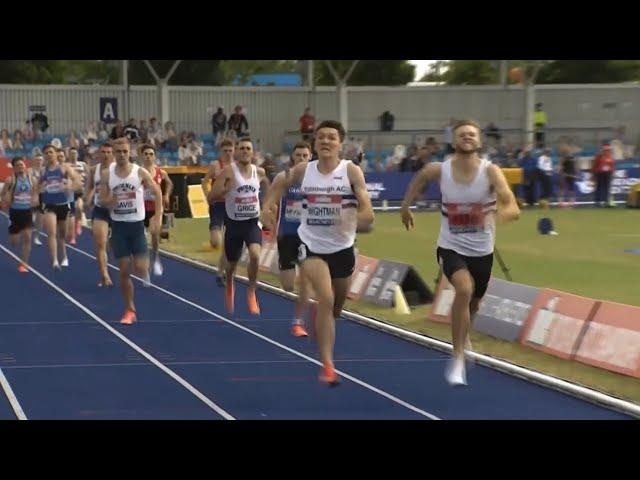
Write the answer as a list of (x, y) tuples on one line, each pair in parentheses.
[(464, 207), (129, 195), (329, 209), (243, 203)]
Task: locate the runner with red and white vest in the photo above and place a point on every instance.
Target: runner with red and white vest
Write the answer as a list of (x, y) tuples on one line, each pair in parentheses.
[(160, 177), (471, 189), (217, 212)]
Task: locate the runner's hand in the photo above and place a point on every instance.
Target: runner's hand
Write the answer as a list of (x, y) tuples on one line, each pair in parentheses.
[(269, 216), (407, 218)]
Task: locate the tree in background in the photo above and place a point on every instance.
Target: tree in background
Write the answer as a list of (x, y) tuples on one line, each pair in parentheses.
[(487, 72), (189, 72), (367, 72)]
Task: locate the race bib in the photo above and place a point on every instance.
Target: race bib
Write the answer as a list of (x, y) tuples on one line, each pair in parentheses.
[(324, 210), (125, 203), (54, 185), (293, 211), (465, 218), (247, 207)]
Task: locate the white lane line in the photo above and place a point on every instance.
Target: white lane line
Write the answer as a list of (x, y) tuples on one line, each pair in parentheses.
[(277, 344), (220, 362), (13, 400), (146, 355)]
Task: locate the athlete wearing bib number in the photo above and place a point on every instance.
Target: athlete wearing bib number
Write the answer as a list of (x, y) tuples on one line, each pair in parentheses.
[(240, 183), (161, 178), (471, 189), (20, 195), (82, 170), (101, 216), (290, 213), (37, 165), (335, 204), (217, 212), (57, 182), (121, 190)]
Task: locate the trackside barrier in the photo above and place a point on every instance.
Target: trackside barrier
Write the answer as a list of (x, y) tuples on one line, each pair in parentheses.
[(594, 332)]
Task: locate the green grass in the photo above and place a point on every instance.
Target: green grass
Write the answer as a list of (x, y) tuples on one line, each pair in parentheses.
[(586, 258)]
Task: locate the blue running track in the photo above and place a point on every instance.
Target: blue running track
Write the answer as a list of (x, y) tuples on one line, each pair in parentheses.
[(67, 357)]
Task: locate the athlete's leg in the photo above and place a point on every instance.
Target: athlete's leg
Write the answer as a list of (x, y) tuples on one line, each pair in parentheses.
[(62, 230), (100, 230), (80, 220), (316, 272), (252, 273), (50, 223), (26, 244), (126, 284), (463, 284), (70, 225)]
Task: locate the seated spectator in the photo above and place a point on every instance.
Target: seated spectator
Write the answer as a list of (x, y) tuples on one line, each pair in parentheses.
[(5, 140), (170, 137), (155, 134), (143, 131), (73, 140), (17, 140), (407, 163), (393, 161), (89, 134), (40, 123), (433, 146), (103, 134), (117, 131), (131, 130), (135, 151), (27, 131), (189, 154), (424, 157)]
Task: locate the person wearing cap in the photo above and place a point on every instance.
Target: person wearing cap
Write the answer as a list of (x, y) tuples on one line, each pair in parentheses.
[(602, 169), (219, 123)]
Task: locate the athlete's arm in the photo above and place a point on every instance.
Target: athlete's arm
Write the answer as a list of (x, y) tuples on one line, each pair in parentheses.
[(106, 195), (223, 184), (365, 210), (428, 173), (5, 196), (35, 191), (76, 180), (264, 180), (210, 175), (168, 188), (508, 209), (280, 184), (90, 185), (155, 223)]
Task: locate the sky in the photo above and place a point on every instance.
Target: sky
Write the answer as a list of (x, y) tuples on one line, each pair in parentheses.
[(422, 66)]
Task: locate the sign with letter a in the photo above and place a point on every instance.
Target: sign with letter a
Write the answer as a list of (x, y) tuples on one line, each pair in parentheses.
[(108, 109)]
